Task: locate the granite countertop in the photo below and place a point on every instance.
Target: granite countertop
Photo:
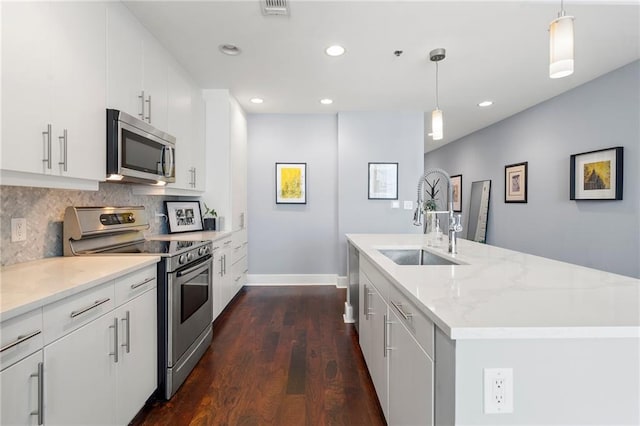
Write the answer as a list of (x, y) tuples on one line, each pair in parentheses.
[(501, 293), (30, 285)]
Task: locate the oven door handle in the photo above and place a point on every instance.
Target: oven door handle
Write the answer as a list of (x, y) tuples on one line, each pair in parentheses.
[(197, 267)]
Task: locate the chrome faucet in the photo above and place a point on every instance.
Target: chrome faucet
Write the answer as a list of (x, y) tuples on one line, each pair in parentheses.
[(454, 220)]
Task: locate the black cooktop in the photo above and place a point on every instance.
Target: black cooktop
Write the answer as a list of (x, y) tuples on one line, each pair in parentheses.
[(162, 248)]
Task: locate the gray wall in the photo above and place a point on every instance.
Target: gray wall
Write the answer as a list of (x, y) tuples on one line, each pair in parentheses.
[(600, 234), (364, 137), (293, 238), (309, 239), (44, 210)]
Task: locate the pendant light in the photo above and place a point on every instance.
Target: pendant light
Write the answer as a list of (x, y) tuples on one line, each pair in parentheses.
[(561, 45), (437, 126)]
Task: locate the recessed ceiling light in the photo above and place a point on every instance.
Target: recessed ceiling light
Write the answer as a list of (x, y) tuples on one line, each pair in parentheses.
[(326, 101), (485, 104), (257, 100), (336, 50), (229, 49)]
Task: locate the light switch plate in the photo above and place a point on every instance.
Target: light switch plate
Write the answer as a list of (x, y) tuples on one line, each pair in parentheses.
[(408, 205)]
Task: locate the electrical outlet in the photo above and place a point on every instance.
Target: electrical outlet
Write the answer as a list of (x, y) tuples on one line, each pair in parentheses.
[(498, 390), (18, 229), (395, 204), (408, 205)]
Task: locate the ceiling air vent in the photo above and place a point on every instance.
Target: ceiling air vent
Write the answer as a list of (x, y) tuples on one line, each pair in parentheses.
[(274, 7)]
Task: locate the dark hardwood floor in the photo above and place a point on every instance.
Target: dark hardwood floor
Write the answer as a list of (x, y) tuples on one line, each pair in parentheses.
[(280, 356)]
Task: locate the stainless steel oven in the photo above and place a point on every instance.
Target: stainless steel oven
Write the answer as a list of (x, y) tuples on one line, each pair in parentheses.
[(189, 318), (185, 276)]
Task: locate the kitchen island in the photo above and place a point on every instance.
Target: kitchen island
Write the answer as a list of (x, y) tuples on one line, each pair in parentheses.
[(569, 335)]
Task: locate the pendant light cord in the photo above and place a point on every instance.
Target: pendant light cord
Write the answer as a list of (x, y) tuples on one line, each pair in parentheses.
[(437, 103)]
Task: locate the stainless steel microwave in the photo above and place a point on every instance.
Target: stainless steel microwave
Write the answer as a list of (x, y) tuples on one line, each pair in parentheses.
[(138, 152)]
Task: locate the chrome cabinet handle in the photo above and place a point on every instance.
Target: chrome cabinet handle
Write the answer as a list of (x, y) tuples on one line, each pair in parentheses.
[(245, 243), (386, 335), (148, 101), (40, 410), (238, 247), (115, 340), (63, 142), (20, 339), (245, 271), (47, 141), (221, 266), (195, 177), (226, 243), (90, 307), (215, 248), (238, 278), (365, 303), (127, 344), (406, 315), (140, 284), (141, 97)]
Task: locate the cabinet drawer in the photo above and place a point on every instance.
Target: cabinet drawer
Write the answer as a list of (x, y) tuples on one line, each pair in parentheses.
[(239, 272), (421, 327), (239, 249), (135, 283), (375, 277), (20, 336), (63, 317)]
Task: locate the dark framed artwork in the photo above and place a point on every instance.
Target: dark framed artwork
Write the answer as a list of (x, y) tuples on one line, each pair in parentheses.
[(291, 183), (515, 183), (184, 216), (597, 175), (456, 185), (383, 181)]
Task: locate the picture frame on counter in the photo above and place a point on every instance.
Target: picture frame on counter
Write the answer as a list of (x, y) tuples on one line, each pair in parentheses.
[(597, 175), (383, 181), (291, 183), (456, 184), (183, 216), (515, 182)]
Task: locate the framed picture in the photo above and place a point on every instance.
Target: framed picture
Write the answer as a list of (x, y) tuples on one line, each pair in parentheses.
[(383, 181), (515, 183), (184, 216), (291, 183), (456, 183), (597, 175)]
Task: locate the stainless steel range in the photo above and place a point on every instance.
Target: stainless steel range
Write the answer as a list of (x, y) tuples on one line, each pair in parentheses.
[(184, 281)]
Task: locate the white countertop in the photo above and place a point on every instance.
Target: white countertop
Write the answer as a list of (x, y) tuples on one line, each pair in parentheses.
[(506, 294), (191, 236), (30, 285)]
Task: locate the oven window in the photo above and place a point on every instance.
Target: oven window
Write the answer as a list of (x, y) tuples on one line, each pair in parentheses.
[(195, 293)]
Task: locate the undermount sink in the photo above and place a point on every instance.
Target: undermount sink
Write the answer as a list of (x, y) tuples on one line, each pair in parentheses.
[(415, 257)]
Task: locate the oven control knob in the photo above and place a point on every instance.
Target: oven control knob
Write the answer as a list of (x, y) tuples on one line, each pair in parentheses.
[(201, 251), (189, 257), (207, 250), (182, 259)]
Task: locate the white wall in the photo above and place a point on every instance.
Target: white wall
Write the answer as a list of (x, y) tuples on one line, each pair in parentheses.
[(600, 234), (293, 238), (364, 137), (309, 239)]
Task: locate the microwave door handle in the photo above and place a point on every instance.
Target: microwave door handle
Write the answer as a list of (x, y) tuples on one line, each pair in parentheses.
[(168, 172), (162, 161)]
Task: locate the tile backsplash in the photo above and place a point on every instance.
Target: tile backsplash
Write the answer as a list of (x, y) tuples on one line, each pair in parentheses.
[(44, 210)]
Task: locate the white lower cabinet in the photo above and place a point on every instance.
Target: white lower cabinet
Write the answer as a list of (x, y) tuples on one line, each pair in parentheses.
[(80, 373), (373, 317), (410, 378), (138, 346), (397, 345), (19, 397)]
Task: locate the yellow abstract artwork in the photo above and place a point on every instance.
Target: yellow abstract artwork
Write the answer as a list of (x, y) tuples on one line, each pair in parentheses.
[(597, 175), (291, 182)]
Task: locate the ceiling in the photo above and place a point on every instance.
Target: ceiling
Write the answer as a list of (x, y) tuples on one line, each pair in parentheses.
[(495, 50)]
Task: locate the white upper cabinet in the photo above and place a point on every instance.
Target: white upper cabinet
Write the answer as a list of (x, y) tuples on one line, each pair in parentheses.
[(53, 80), (226, 161), (180, 126), (137, 68)]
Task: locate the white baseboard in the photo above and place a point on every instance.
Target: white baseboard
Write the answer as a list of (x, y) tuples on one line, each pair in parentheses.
[(294, 279), (342, 282)]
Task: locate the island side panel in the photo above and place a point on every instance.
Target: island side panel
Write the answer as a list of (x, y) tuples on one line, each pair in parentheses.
[(445, 376), (556, 381)]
